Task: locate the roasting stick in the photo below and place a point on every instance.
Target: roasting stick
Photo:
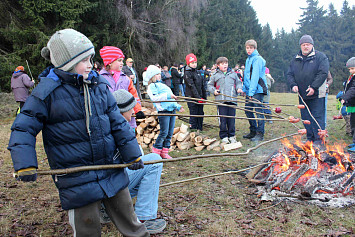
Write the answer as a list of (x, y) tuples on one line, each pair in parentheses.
[(216, 116), (299, 95), (116, 166)]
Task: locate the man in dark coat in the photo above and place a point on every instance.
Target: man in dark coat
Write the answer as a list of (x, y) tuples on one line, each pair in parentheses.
[(307, 76), (176, 78)]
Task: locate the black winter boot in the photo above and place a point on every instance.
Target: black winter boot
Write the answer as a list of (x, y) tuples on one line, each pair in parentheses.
[(250, 135), (258, 137)]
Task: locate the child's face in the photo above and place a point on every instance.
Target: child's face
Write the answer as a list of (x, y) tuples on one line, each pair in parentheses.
[(117, 65), (193, 64), (84, 67), (128, 114), (249, 49), (223, 66), (351, 70), (157, 77)]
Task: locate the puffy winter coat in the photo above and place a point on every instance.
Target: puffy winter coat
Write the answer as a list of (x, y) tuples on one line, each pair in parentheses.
[(194, 83), (158, 91), (349, 95), (176, 76), (309, 71), (57, 107), (254, 75), (20, 83), (227, 84)]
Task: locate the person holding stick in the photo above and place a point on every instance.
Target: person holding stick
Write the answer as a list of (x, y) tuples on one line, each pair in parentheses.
[(20, 84), (81, 126), (158, 91)]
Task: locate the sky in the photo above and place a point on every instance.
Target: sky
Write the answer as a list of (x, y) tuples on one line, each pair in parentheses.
[(286, 13)]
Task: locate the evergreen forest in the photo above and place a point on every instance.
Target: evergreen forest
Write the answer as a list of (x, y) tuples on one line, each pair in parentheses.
[(164, 31)]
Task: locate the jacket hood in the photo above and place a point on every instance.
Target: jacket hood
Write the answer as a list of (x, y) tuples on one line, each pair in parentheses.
[(17, 74)]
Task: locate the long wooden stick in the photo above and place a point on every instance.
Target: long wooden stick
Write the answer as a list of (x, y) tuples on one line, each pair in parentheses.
[(116, 166), (216, 116), (214, 175)]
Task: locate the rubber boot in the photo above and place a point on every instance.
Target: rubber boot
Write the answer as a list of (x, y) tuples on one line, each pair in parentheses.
[(156, 150), (164, 154)]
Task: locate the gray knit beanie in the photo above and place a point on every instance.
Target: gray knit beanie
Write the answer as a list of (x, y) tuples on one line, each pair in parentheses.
[(350, 62), (125, 100), (306, 39), (66, 48)]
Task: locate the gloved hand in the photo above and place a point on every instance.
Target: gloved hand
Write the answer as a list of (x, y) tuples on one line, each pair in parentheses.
[(201, 101), (26, 175), (138, 165), (140, 115)]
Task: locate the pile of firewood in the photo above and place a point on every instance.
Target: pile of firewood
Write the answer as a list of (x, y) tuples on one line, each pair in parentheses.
[(148, 129)]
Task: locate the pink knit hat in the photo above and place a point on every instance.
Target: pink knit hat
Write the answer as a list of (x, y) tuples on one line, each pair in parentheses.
[(267, 71), (110, 54)]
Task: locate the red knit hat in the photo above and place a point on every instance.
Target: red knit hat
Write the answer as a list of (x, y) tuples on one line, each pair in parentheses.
[(20, 68), (190, 58), (110, 54)]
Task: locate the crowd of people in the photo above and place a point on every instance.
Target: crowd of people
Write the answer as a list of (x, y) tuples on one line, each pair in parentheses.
[(87, 117)]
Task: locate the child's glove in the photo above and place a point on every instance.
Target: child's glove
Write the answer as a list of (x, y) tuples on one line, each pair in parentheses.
[(26, 175), (138, 165), (140, 115), (201, 101)]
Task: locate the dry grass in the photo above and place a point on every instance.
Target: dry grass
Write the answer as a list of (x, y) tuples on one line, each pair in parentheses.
[(222, 206)]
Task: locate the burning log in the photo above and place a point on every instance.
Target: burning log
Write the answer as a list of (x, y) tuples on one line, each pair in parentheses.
[(287, 185)]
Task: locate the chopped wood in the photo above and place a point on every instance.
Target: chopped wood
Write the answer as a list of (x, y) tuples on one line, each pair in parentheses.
[(198, 139), (143, 145), (173, 139), (154, 123), (181, 136), (199, 148), (156, 136), (183, 128), (208, 142), (232, 146), (139, 130), (213, 145), (287, 185), (217, 148), (172, 148), (143, 125), (147, 140), (187, 138), (184, 145), (150, 119), (152, 135), (198, 144), (192, 135)]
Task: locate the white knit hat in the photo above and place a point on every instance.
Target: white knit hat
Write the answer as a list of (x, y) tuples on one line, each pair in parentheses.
[(66, 48), (151, 72)]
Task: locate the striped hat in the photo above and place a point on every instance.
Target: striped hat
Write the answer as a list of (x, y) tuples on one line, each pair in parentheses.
[(110, 54)]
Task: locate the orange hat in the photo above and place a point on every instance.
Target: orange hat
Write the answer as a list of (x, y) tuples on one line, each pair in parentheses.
[(190, 58), (20, 68)]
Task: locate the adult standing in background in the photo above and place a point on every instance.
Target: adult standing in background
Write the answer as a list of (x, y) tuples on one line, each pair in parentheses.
[(255, 88), (20, 84), (129, 70), (176, 78), (307, 76)]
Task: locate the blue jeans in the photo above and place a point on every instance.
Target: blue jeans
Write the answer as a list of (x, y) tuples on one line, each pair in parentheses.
[(326, 103), (182, 89), (267, 110), (167, 124), (144, 184), (255, 125), (317, 108), (226, 125)]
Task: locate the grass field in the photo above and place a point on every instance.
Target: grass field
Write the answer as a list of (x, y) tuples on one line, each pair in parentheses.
[(222, 206)]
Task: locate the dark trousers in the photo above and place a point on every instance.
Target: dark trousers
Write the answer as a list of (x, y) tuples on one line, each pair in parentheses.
[(255, 125), (226, 125), (85, 221), (352, 124), (196, 109), (167, 124), (176, 89), (317, 108)]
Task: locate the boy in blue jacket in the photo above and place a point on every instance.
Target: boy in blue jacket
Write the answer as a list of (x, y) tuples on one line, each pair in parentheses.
[(255, 88), (81, 126)]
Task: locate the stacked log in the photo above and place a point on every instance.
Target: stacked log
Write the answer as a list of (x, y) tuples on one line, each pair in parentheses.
[(148, 129)]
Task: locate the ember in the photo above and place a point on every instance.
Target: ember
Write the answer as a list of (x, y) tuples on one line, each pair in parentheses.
[(308, 172)]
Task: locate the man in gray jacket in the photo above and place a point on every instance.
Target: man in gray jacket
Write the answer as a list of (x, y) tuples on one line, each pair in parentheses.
[(20, 84), (225, 85)]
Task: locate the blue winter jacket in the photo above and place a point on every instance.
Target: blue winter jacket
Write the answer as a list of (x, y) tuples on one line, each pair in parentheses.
[(157, 92), (309, 71), (57, 107), (254, 75)]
